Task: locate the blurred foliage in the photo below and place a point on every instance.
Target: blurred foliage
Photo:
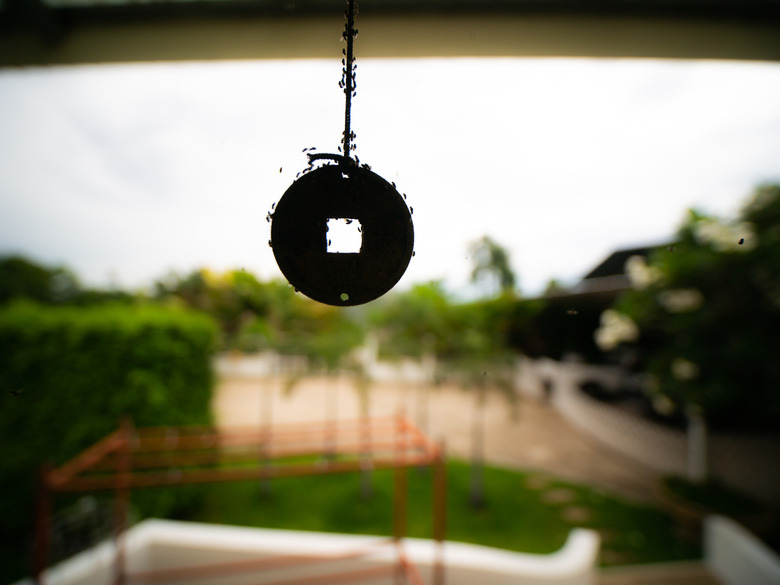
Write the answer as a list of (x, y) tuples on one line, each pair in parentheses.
[(22, 279), (256, 316), (414, 322), (259, 316), (708, 315), (423, 320), (67, 375), (426, 319), (467, 338), (490, 265)]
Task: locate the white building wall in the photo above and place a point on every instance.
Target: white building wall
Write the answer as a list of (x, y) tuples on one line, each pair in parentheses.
[(736, 557)]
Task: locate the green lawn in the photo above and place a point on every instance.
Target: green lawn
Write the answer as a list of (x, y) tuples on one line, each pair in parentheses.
[(524, 512)]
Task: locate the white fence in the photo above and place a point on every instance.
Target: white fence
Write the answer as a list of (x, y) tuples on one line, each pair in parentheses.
[(745, 462)]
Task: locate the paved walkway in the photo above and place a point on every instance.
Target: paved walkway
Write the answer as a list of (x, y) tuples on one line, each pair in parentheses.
[(523, 434)]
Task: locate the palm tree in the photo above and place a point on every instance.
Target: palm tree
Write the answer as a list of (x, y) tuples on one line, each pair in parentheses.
[(491, 266)]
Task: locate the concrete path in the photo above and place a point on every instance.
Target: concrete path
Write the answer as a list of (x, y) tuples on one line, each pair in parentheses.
[(521, 434)]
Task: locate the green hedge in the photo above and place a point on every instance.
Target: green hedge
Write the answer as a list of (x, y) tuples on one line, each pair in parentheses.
[(68, 374)]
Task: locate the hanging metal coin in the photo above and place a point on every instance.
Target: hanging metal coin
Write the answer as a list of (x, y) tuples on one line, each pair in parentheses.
[(300, 236), (343, 191)]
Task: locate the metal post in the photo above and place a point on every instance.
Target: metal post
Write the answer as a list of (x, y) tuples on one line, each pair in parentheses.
[(266, 419), (332, 407), (400, 516), (122, 498), (42, 525), (477, 492), (424, 388), (366, 457), (439, 514), (400, 494)]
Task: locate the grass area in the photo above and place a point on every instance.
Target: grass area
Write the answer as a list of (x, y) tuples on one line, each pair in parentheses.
[(523, 512)]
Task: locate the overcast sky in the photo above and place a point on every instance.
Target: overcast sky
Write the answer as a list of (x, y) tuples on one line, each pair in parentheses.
[(124, 173)]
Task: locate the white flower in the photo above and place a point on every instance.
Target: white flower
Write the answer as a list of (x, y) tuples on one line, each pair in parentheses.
[(735, 237), (663, 404), (683, 369), (681, 300), (640, 274), (615, 328)]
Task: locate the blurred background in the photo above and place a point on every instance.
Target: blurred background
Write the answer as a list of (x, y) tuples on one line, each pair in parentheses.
[(597, 237)]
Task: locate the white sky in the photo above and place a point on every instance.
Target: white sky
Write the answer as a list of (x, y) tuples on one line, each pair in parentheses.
[(126, 172)]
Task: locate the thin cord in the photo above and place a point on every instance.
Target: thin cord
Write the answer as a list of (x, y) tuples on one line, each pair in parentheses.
[(348, 78)]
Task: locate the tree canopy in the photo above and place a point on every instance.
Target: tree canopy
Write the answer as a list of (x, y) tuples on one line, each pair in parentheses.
[(20, 278), (256, 315), (704, 314), (491, 266)]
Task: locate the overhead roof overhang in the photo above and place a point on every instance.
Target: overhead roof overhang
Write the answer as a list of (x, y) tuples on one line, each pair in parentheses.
[(42, 32)]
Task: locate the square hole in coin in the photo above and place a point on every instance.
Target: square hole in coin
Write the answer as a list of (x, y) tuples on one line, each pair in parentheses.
[(344, 236)]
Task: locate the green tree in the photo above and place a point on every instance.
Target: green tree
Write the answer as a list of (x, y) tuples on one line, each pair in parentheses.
[(491, 266), (410, 322), (258, 316), (472, 341), (206, 291), (704, 316), (21, 278)]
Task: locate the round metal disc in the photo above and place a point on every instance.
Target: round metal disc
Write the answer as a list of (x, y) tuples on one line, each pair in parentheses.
[(299, 235)]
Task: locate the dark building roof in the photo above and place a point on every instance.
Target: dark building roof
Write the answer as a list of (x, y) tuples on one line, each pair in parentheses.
[(615, 264), (605, 283)]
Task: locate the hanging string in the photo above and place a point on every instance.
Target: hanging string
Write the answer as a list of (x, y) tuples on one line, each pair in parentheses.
[(348, 77)]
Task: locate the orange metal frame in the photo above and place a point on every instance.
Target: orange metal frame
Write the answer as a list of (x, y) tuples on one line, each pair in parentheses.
[(131, 458)]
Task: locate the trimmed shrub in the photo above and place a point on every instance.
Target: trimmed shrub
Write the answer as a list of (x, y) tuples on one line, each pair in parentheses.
[(68, 374)]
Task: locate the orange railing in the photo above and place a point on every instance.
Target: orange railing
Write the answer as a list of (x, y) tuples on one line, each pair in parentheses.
[(131, 458)]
